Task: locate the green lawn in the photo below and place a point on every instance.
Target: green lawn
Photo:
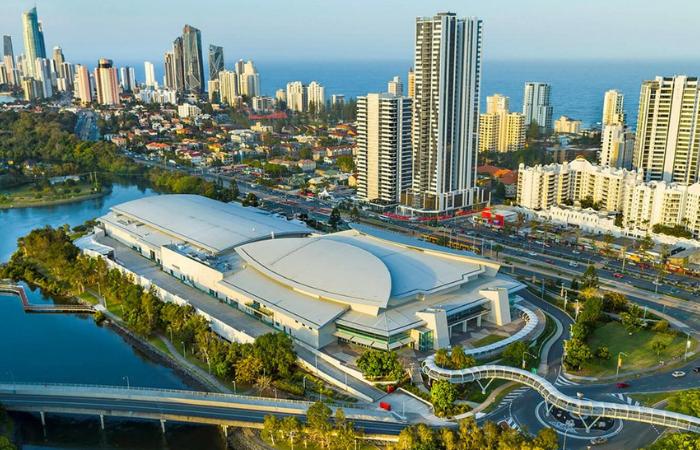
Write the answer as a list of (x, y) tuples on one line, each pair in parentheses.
[(637, 346), (88, 297), (486, 340), (27, 195), (652, 398)]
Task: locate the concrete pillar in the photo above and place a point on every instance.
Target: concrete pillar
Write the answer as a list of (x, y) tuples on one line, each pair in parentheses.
[(43, 418), (500, 307), (478, 321), (102, 422), (162, 425), (464, 326)]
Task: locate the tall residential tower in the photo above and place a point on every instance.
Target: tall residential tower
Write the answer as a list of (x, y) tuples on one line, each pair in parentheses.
[(536, 105), (33, 40), (445, 114)]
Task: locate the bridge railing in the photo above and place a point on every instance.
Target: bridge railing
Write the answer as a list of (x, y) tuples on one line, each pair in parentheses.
[(553, 396)]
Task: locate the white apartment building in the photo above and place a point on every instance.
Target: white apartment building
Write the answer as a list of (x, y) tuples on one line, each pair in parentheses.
[(228, 87), (613, 112), (383, 147), (541, 187), (188, 110), (296, 96), (642, 204), (667, 145), (316, 96), (567, 125), (499, 129), (536, 105), (617, 146), (248, 79), (445, 114), (150, 71)]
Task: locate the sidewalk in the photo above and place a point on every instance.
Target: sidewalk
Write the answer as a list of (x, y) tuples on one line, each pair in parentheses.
[(201, 374)]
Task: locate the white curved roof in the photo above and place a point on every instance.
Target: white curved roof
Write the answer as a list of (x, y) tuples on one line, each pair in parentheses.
[(323, 267), (210, 224)]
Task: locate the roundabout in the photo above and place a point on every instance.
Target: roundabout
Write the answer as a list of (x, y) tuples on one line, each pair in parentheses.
[(574, 427)]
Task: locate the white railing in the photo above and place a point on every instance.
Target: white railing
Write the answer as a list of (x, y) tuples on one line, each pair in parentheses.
[(531, 323), (553, 396)]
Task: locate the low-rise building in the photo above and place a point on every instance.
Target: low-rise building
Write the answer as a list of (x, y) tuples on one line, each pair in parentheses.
[(567, 125)]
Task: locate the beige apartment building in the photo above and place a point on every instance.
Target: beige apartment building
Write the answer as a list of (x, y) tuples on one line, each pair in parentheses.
[(499, 129)]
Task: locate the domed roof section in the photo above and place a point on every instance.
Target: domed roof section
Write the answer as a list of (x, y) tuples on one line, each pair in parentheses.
[(323, 267)]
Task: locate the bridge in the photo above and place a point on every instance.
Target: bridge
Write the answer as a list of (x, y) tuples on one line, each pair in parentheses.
[(19, 291), (176, 405), (589, 411)]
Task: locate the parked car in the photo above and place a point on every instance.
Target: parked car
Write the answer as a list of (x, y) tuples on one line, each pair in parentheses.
[(678, 374), (598, 441), (696, 369), (573, 264), (617, 275), (622, 385)]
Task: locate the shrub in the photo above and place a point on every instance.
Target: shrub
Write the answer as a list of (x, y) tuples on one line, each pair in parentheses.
[(602, 352)]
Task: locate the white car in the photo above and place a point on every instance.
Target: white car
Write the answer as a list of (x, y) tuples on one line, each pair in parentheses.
[(532, 253), (678, 374), (573, 264)]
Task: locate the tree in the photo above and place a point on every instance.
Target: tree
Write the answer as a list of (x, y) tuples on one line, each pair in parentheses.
[(658, 345), (632, 320), (376, 364), (646, 243), (662, 326), (335, 219), (577, 354), (251, 200), (459, 359), (442, 358), (580, 331), (354, 213), (345, 163), (443, 395), (614, 302), (676, 441), (248, 369), (546, 439), (270, 428), (498, 248), (602, 352), (686, 402), (533, 132), (590, 278), (514, 352), (318, 420), (345, 434), (591, 311)]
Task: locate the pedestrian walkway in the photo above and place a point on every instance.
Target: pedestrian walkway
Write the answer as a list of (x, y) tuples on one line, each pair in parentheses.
[(201, 374)]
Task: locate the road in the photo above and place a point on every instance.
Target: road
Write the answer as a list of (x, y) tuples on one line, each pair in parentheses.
[(86, 125)]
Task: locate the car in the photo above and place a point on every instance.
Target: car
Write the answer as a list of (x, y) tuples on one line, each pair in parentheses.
[(573, 264), (696, 369), (617, 275), (549, 261), (622, 385), (532, 253), (598, 440), (678, 374), (575, 252)]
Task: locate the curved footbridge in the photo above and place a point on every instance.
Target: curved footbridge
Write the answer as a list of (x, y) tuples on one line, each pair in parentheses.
[(589, 411), (175, 405)]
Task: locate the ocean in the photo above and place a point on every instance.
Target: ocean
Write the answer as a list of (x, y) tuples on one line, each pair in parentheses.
[(577, 86)]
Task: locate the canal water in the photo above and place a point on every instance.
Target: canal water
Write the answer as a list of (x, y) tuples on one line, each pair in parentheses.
[(71, 348)]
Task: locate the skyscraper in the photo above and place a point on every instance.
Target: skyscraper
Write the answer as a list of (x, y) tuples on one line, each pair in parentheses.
[(169, 69), (667, 144), (395, 86), (617, 146), (411, 83), (127, 78), (42, 73), (499, 129), (106, 83), (445, 114), (33, 40), (58, 60), (296, 96), (228, 87), (9, 61), (383, 147), (178, 65), (216, 61), (613, 112), (7, 46), (83, 90), (192, 60), (316, 96), (248, 79), (536, 105), (150, 72)]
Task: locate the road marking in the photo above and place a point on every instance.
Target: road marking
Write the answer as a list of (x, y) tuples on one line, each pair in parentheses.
[(563, 381), (625, 399), (510, 398)]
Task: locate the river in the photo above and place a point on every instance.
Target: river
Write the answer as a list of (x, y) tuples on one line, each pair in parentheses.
[(69, 348)]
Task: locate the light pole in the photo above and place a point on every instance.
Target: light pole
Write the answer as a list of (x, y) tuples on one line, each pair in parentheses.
[(529, 354), (184, 349), (304, 383), (687, 346), (619, 363), (234, 386), (128, 385)]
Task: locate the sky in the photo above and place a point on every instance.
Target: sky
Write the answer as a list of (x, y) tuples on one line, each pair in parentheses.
[(317, 30)]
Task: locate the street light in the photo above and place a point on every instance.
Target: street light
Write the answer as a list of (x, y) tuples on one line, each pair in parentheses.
[(184, 349), (687, 346), (529, 354), (619, 362), (128, 385)]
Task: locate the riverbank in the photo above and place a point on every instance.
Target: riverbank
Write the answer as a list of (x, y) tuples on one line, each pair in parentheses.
[(53, 202)]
